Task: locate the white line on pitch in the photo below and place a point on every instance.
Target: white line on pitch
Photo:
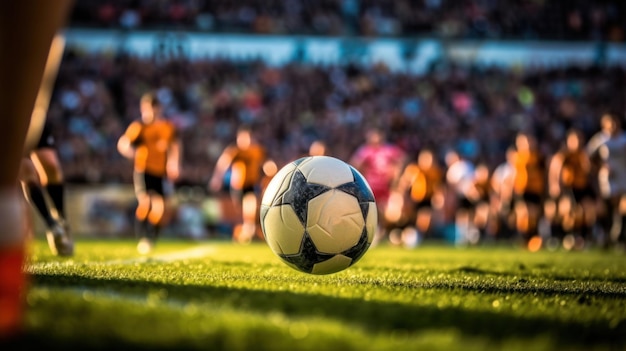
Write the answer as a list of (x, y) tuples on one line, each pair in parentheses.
[(196, 252)]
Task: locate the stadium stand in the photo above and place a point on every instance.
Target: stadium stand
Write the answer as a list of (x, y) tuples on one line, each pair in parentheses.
[(452, 102)]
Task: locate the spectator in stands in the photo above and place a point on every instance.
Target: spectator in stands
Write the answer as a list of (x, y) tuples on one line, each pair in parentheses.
[(470, 19)]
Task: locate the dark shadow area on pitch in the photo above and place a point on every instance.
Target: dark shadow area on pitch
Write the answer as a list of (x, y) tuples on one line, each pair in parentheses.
[(514, 283), (377, 317), (528, 271)]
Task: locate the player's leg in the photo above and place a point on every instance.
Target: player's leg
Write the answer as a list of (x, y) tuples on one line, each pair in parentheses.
[(586, 214), (423, 219), (142, 225), (156, 215), (616, 223), (553, 218), (236, 195), (58, 239), (142, 230), (522, 227), (535, 214), (12, 257), (620, 237), (249, 206), (481, 220), (151, 210), (160, 190), (605, 219), (34, 192), (25, 50), (49, 167)]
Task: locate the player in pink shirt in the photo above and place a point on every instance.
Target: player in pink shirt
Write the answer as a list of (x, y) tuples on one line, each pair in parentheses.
[(380, 162)]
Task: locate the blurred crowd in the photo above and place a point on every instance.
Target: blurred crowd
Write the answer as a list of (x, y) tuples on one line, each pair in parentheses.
[(468, 19), (473, 111)]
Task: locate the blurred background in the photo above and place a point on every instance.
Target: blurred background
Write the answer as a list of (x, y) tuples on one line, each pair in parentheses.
[(466, 75)]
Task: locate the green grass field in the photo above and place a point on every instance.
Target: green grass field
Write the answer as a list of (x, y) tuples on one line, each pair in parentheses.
[(222, 296)]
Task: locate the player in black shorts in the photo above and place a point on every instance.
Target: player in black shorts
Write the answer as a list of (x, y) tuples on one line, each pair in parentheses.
[(570, 181), (41, 175), (153, 144)]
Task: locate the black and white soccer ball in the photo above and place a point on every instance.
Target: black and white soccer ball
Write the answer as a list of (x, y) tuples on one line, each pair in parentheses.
[(318, 214)]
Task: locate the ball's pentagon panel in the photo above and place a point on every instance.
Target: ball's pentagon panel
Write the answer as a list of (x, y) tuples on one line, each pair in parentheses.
[(332, 265), (278, 184), (335, 221), (315, 171), (287, 240)]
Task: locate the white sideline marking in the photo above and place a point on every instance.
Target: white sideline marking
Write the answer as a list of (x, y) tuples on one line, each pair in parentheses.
[(196, 252)]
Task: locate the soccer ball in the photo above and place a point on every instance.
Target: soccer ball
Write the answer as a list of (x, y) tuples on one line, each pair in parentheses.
[(318, 214)]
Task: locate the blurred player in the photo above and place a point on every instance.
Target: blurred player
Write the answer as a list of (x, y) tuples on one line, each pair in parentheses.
[(154, 146), (460, 180), (569, 183), (529, 185), (604, 208), (501, 197), (381, 163), (25, 50), (317, 148), (41, 175), (612, 178), (245, 160), (422, 179), (481, 214)]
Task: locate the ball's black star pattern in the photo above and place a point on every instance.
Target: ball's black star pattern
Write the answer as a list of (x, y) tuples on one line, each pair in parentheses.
[(358, 250), (300, 160), (299, 193), (359, 189), (308, 256)]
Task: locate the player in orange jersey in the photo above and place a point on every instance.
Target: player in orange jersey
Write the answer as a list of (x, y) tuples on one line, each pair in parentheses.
[(244, 160), (529, 185), (154, 146), (423, 179), (569, 181)]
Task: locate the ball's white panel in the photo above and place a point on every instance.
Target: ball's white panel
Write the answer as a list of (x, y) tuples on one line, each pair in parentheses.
[(334, 221), (371, 222), (326, 170), (283, 230), (332, 265), (278, 184)]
